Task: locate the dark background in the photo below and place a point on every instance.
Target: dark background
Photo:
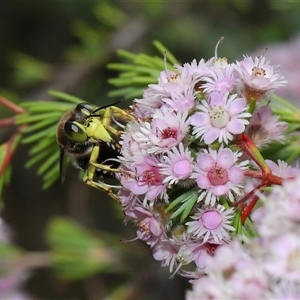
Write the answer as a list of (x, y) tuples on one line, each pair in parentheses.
[(75, 42)]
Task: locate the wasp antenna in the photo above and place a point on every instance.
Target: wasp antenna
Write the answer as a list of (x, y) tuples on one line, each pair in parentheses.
[(61, 164), (105, 106)]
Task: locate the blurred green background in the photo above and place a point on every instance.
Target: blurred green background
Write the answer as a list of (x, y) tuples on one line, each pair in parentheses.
[(66, 45)]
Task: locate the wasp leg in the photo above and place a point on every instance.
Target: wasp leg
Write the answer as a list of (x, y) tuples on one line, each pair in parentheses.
[(95, 153), (89, 174), (93, 158), (116, 112), (101, 186)]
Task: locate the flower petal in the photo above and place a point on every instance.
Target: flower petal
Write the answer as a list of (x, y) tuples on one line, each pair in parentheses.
[(225, 159), (205, 162), (220, 190), (200, 119), (235, 175), (203, 182), (235, 126), (211, 135), (236, 106)]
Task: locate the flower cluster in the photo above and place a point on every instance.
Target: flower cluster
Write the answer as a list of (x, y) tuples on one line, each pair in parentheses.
[(196, 169), (264, 268)]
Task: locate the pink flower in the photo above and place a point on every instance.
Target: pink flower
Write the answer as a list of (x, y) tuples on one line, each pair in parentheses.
[(258, 77), (184, 101), (233, 252), (283, 289), (282, 169), (265, 127), (248, 281), (203, 254), (149, 227), (177, 165), (220, 118), (127, 198), (207, 287), (219, 174), (220, 80), (174, 90), (166, 130), (166, 252), (148, 180), (287, 53), (168, 166), (144, 108), (241, 277), (281, 210), (197, 69), (131, 150), (211, 224), (283, 257)]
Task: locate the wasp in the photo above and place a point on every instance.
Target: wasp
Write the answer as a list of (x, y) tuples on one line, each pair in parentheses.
[(87, 135)]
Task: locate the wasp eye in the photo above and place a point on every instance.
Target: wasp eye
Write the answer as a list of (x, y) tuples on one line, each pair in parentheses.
[(75, 132), (84, 108)]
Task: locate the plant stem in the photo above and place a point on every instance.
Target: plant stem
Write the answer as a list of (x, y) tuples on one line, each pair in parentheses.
[(12, 106)]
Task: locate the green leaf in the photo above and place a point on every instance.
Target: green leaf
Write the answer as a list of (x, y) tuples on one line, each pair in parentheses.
[(119, 93), (126, 54), (42, 145), (46, 106), (40, 135), (189, 205), (182, 198), (162, 49), (186, 203), (76, 253), (40, 156), (51, 160), (66, 97), (237, 223), (51, 176), (249, 229), (38, 126), (31, 118), (139, 72), (29, 70)]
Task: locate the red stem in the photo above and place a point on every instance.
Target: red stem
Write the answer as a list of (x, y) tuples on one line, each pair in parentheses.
[(7, 122), (249, 147), (12, 106), (248, 209), (10, 149), (242, 203), (269, 178)]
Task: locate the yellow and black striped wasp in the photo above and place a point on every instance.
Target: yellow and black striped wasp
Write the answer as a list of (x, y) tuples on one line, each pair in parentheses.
[(90, 135)]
